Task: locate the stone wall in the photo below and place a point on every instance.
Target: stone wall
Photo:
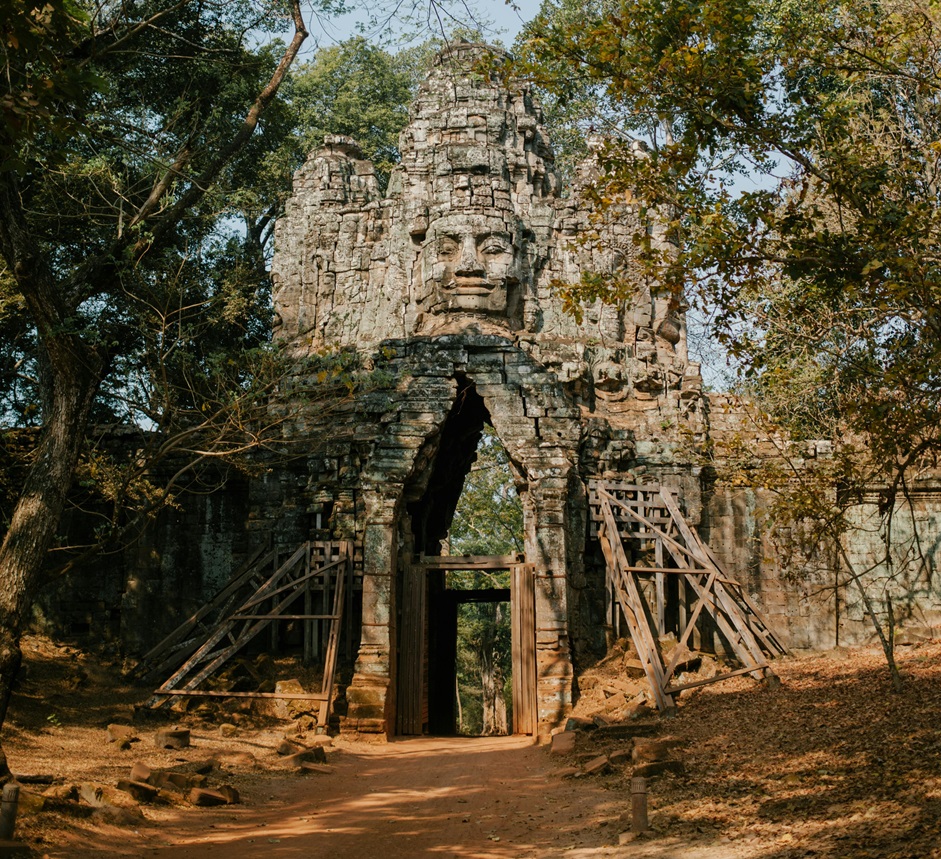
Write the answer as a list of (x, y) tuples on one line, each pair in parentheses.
[(806, 592)]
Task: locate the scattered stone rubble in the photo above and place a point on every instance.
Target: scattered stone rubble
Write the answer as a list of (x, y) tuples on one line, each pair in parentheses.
[(203, 782)]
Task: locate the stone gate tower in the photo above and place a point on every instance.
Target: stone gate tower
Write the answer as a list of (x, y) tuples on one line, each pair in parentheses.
[(447, 282)]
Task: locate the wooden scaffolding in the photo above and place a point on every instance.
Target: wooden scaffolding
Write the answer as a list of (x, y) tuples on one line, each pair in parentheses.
[(318, 574), (645, 540)]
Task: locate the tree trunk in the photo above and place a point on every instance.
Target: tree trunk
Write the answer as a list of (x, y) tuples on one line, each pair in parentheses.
[(494, 716), (73, 374), (36, 515)]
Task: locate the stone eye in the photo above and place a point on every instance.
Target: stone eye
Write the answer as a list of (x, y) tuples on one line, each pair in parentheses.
[(447, 248), (495, 246)]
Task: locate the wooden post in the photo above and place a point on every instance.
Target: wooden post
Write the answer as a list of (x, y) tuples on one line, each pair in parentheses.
[(8, 803), (659, 580), (639, 805), (308, 625), (273, 629)]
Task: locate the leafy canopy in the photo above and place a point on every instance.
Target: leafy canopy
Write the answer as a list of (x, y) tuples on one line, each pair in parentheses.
[(793, 149)]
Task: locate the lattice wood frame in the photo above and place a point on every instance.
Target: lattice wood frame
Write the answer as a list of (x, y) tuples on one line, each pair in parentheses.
[(325, 567), (623, 513)]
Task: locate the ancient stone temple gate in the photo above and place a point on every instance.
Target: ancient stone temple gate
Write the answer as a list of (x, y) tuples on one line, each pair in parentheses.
[(447, 284)]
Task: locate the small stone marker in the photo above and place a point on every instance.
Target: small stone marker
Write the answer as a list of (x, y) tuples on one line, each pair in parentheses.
[(9, 803), (308, 768), (639, 805), (173, 738)]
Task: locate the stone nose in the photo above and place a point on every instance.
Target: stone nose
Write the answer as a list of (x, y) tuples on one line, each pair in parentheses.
[(469, 264)]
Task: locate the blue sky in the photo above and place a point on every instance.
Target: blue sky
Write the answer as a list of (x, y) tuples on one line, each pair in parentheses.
[(506, 20)]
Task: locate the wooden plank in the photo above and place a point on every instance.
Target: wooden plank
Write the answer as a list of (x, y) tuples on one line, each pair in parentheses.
[(661, 591), (208, 651), (283, 616), (308, 627), (216, 693), (272, 588), (741, 651), (668, 540), (411, 641), (469, 562), (333, 643), (632, 608), (676, 571), (682, 646), (523, 645), (747, 641), (771, 641), (239, 578)]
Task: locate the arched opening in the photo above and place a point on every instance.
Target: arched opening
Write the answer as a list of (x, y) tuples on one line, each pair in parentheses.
[(488, 521), (463, 639)]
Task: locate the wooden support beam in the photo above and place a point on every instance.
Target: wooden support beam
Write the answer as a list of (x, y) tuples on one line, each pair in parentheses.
[(469, 562), (218, 693), (716, 679), (729, 608), (632, 608)]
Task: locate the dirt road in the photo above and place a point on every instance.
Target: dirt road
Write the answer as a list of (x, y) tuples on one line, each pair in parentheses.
[(444, 798), (419, 797)]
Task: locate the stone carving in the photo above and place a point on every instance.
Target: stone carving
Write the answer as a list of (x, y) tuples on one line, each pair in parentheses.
[(472, 236), (474, 263)]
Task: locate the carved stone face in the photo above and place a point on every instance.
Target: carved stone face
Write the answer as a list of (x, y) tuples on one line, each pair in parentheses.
[(473, 264)]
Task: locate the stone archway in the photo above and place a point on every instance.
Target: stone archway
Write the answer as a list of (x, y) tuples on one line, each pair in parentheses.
[(451, 280), (490, 380)]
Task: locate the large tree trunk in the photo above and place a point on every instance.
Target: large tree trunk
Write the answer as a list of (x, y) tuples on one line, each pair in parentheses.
[(71, 382), (36, 515)]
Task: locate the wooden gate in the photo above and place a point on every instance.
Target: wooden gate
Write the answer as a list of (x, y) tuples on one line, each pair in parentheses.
[(523, 620), (411, 697), (414, 671)]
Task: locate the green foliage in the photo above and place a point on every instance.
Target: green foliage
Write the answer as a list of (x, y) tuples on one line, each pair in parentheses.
[(792, 150), (359, 90), (39, 77), (823, 272), (489, 515)]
